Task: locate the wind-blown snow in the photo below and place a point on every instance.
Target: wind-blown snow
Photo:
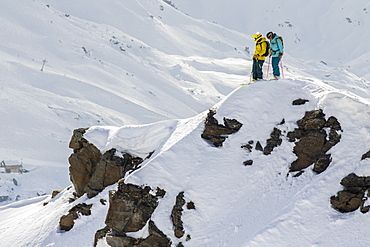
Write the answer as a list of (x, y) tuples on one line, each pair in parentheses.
[(144, 75)]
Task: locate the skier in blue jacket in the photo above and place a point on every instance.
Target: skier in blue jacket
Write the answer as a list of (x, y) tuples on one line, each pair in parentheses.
[(277, 52)]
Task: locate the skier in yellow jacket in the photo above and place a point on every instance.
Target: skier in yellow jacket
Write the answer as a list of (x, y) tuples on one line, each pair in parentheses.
[(260, 53)]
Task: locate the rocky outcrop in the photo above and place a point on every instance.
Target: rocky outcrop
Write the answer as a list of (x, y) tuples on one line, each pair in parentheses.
[(91, 171), (176, 215), (217, 133), (83, 161), (66, 222), (313, 141), (156, 238), (109, 170), (352, 196), (130, 209)]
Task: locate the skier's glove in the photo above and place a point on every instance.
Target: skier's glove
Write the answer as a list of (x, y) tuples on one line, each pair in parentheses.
[(281, 54)]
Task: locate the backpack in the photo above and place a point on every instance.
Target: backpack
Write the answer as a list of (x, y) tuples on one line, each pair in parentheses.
[(281, 38), (267, 52)]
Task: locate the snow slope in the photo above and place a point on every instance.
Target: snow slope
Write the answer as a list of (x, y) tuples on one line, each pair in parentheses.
[(129, 69), (236, 205), (147, 67)]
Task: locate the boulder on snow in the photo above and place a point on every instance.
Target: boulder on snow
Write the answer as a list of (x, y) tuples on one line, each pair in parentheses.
[(300, 101), (176, 215), (130, 209), (313, 141), (67, 221), (217, 133), (366, 155), (273, 141), (156, 238), (352, 196)]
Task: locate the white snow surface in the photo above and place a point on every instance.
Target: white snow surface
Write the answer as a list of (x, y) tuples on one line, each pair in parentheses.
[(143, 75)]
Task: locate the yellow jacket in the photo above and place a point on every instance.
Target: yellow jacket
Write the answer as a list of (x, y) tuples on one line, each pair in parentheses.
[(260, 48)]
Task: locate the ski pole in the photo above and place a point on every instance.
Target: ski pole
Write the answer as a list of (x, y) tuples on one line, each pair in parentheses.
[(268, 68), (281, 66)]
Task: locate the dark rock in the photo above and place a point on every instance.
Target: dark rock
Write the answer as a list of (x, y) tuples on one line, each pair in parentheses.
[(298, 174), (66, 222), (300, 101), (77, 139), (295, 135), (55, 193), (365, 209), (259, 146), (366, 155), (83, 161), (90, 171), (216, 132), (176, 215), (248, 162), (156, 238), (273, 142), (15, 182), (100, 234), (160, 192), (352, 196), (109, 170), (352, 180), (313, 142), (248, 147), (190, 205), (346, 201), (130, 207), (322, 163), (121, 240), (333, 123), (232, 124), (308, 149)]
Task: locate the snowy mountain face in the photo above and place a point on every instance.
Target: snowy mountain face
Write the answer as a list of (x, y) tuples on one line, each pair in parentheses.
[(109, 64), (141, 76)]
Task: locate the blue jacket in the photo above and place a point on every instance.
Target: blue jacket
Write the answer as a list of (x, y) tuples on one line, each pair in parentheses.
[(276, 46)]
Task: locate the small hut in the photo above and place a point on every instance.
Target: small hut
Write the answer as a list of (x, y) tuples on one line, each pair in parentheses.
[(11, 166)]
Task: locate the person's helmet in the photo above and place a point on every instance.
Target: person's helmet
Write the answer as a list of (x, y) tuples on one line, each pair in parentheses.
[(270, 35), (256, 36)]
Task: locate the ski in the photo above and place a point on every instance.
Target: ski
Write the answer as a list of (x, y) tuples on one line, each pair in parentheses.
[(252, 82)]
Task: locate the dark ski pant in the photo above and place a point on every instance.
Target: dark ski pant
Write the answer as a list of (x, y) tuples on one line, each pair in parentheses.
[(275, 66), (257, 69)]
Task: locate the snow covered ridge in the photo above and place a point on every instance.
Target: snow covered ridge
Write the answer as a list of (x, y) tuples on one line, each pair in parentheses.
[(141, 209), (191, 192)]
